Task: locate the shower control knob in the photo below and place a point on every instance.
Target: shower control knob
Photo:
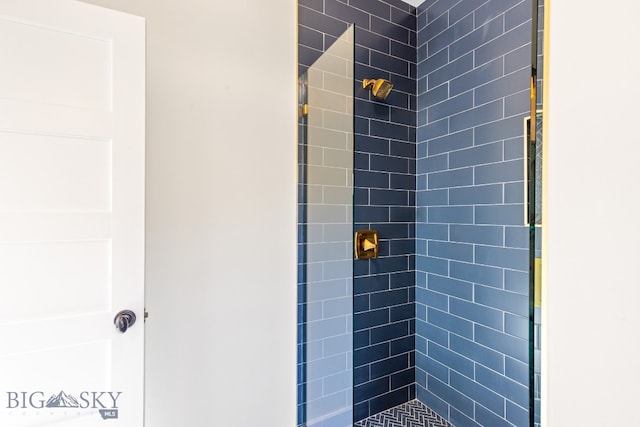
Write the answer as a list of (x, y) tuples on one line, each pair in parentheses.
[(124, 320)]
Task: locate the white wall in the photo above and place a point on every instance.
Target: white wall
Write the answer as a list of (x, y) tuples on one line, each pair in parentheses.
[(592, 325), (221, 224)]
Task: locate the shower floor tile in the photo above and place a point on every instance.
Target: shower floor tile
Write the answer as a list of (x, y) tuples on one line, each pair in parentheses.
[(410, 414)]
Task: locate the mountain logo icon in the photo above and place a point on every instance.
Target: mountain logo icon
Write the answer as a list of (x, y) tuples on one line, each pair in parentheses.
[(62, 400)]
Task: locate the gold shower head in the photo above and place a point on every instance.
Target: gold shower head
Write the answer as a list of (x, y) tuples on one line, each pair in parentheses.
[(380, 88)]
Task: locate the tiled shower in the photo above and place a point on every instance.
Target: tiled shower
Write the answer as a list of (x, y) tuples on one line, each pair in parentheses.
[(438, 169)]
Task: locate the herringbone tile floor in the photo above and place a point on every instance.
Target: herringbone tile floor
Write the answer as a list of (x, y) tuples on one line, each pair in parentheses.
[(410, 414)]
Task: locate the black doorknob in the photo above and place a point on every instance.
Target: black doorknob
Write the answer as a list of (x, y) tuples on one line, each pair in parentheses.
[(124, 320)]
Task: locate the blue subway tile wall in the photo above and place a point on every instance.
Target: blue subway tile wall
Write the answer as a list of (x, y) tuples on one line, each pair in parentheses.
[(384, 192), (472, 303)]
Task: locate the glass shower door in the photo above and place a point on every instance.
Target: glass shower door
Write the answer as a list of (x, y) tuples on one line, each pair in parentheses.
[(326, 253)]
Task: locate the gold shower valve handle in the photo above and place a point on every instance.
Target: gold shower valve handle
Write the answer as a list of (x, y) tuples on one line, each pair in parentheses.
[(366, 244)]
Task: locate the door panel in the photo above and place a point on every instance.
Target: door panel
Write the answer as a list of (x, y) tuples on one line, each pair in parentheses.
[(71, 214)]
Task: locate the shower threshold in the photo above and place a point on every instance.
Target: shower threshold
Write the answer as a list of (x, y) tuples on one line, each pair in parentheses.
[(410, 414)]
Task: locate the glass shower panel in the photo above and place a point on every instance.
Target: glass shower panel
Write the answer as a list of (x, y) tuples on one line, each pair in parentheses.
[(327, 244)]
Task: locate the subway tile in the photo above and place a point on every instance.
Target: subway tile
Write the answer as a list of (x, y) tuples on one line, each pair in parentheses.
[(323, 23), (447, 37), (457, 418), (389, 164), (499, 341), (450, 178), (389, 130), (433, 197), (504, 86), (370, 144), (448, 250), (515, 259), (476, 116), (307, 55), (370, 319), (368, 390), (403, 378), (490, 276), (517, 370), (361, 339), (361, 303), (374, 7), (488, 235), (502, 300), (453, 324), (499, 130), (403, 149), (389, 63), (476, 195), (389, 29), (346, 13), (401, 246), (403, 116), (451, 359), (514, 148), (518, 326), (509, 41), (514, 193), (388, 298), (426, 67), (516, 281), (371, 214), (402, 345), (402, 214), (313, 4), (401, 312), (433, 299), (516, 237), (375, 283), (503, 386), (477, 155), (432, 131), (432, 231), (433, 163), (389, 332), (388, 366), (480, 354), (404, 51), (401, 83), (431, 97), (476, 38), (517, 59), (372, 40), (450, 71), (435, 368), (518, 415), (518, 103), (310, 38), (452, 215), (451, 287), (401, 280), (453, 141), (480, 394), (432, 333), (462, 9), (388, 197), (451, 106), (362, 56), (403, 18), (487, 418), (388, 231), (371, 110), (500, 215), (389, 264), (403, 182)]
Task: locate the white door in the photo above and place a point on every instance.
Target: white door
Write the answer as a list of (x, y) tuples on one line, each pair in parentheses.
[(71, 214)]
